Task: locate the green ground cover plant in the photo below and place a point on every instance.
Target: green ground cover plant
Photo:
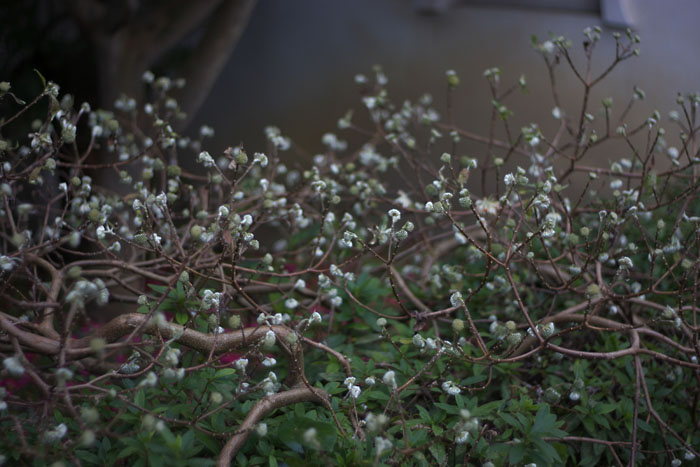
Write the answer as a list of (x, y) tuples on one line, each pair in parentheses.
[(368, 308)]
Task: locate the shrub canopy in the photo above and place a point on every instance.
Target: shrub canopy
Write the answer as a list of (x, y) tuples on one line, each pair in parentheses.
[(368, 309)]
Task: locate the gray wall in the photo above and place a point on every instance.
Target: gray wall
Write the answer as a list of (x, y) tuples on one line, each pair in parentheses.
[(295, 64)]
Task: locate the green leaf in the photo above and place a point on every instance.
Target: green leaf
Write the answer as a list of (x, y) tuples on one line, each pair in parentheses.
[(291, 432), (140, 398), (510, 420), (200, 462), (604, 408), (547, 451), (218, 422), (17, 100), (486, 409), (474, 380), (544, 421), (161, 289), (516, 453), (438, 452), (645, 426), (181, 317), (224, 372), (188, 447), (41, 77), (602, 421), (424, 415), (209, 442), (126, 452), (451, 409), (89, 457), (588, 424)]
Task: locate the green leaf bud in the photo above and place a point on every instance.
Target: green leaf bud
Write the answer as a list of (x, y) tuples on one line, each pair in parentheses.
[(196, 231), (89, 415), (241, 157), (234, 322), (74, 272), (514, 338), (97, 344), (174, 171), (452, 78), (551, 395), (94, 215), (592, 291)]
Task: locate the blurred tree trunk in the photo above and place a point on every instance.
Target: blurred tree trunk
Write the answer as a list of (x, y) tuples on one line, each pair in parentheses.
[(131, 36)]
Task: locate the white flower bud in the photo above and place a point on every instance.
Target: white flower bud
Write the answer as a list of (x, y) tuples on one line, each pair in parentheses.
[(462, 437), (261, 429), (389, 379), (269, 362), (270, 339), (14, 367), (315, 318)]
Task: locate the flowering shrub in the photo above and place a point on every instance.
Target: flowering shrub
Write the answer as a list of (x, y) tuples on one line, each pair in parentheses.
[(334, 315)]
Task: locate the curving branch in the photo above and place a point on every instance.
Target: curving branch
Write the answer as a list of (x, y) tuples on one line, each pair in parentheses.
[(261, 408), (46, 326)]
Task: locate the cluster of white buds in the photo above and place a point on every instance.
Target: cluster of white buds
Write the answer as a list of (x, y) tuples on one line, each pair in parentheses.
[(418, 341), (382, 444), (7, 263), (172, 357), (375, 423), (456, 299), (150, 380), (624, 263), (451, 388), (210, 299), (274, 135), (205, 159), (269, 362), (354, 391), (84, 290), (270, 384)]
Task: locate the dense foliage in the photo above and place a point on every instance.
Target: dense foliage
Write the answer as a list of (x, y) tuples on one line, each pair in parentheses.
[(365, 310)]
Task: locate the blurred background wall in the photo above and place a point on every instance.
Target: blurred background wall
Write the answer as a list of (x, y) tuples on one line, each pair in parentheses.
[(294, 63)]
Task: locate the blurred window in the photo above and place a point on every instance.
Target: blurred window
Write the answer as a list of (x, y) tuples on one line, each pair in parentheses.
[(613, 13)]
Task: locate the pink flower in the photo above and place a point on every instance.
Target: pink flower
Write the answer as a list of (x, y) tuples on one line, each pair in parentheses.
[(229, 358)]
